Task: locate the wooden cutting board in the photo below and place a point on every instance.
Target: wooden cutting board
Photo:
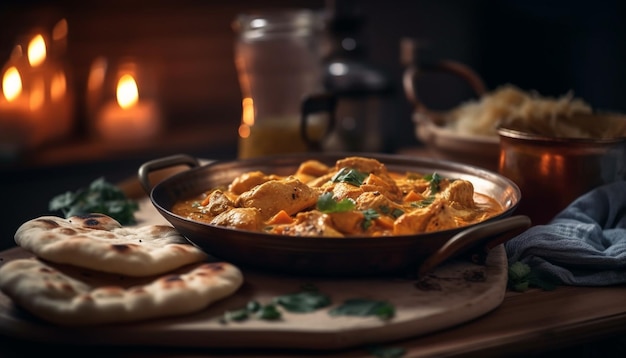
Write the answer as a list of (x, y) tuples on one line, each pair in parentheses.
[(452, 294)]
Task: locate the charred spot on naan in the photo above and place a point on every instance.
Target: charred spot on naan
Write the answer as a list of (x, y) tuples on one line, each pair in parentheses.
[(95, 221)]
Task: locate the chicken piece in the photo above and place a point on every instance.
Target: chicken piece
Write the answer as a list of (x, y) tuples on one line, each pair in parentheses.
[(365, 165), (459, 192), (240, 218), (377, 201), (439, 215), (344, 190), (406, 185), (247, 181), (413, 222), (347, 222), (322, 181), (387, 186), (312, 168), (216, 203), (289, 194), (310, 223)]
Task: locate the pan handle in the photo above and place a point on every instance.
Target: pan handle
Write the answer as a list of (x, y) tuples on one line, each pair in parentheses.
[(162, 163), (477, 241)]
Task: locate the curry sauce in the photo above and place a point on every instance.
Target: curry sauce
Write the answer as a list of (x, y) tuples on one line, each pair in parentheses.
[(357, 196)]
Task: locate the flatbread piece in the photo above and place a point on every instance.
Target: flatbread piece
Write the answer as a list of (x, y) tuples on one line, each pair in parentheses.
[(70, 296), (99, 242)]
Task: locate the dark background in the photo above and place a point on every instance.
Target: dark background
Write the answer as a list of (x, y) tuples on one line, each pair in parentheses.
[(548, 46)]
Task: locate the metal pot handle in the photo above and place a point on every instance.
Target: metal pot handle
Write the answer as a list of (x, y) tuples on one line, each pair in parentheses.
[(415, 68), (477, 241), (166, 162)]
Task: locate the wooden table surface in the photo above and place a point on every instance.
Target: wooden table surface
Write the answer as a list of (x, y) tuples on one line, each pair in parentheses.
[(524, 324), (580, 321)]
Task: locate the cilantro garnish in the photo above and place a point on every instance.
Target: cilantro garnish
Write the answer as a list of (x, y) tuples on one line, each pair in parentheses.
[(370, 215), (364, 307), (305, 301), (435, 181), (522, 277), (100, 197), (350, 176), (327, 204), (394, 213)]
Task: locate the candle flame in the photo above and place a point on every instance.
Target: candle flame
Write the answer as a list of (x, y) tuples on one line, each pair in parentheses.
[(127, 92), (11, 84), (36, 51), (247, 115)]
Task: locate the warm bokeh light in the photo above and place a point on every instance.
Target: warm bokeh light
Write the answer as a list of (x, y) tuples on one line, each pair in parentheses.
[(59, 32), (11, 84), (127, 91), (247, 114), (58, 86), (244, 130), (36, 51), (96, 74), (37, 94)]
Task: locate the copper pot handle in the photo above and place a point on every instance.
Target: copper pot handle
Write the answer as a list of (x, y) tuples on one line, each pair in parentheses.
[(477, 241), (162, 163), (415, 68)]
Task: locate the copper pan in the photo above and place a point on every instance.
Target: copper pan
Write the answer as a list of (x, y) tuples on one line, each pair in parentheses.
[(350, 256)]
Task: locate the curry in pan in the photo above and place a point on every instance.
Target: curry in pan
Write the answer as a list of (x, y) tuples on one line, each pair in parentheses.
[(357, 196)]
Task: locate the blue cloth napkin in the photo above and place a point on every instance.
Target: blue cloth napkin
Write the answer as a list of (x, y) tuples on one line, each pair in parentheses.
[(584, 245)]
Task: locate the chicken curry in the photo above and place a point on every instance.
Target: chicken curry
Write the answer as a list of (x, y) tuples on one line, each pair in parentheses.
[(357, 196)]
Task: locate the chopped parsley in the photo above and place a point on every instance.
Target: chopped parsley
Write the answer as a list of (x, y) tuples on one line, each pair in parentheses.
[(394, 213), (364, 307), (350, 176), (327, 204), (369, 215), (100, 197), (522, 277), (307, 300), (435, 181), (302, 302)]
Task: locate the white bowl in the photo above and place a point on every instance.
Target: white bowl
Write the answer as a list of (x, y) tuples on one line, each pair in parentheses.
[(445, 143)]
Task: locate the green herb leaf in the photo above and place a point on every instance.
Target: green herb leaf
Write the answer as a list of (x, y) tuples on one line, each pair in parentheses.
[(302, 302), (100, 197), (364, 307), (370, 215), (269, 312), (350, 176), (327, 204), (522, 277), (237, 315), (435, 181)]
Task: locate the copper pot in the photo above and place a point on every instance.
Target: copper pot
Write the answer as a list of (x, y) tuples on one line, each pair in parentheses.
[(349, 256), (552, 172)]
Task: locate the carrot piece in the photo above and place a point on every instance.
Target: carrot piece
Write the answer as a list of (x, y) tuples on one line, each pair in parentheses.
[(206, 200), (280, 217), (413, 196), (385, 222)]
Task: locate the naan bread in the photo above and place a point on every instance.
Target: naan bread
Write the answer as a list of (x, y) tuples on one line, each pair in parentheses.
[(69, 295), (99, 242)]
